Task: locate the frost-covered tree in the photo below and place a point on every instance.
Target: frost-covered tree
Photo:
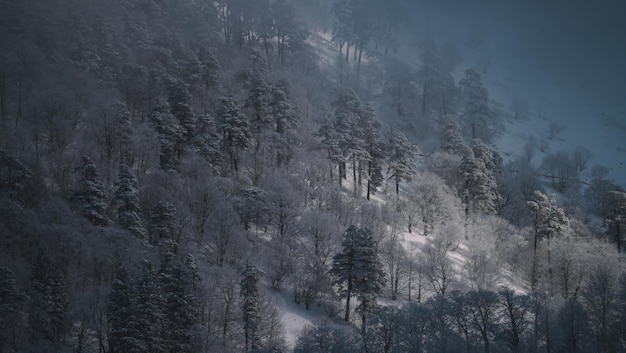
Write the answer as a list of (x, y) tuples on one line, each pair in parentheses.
[(402, 159), (126, 202), (478, 118), (145, 331), (11, 309), (89, 198), (163, 222), (439, 92), (119, 312), (179, 307), (451, 139), (561, 170), (171, 135), (327, 338), (358, 271), (50, 300), (251, 305), (375, 148), (615, 215), (480, 167), (549, 221), (235, 130)]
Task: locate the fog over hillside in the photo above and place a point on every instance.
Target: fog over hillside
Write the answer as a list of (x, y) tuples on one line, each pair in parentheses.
[(312, 176), (564, 57)]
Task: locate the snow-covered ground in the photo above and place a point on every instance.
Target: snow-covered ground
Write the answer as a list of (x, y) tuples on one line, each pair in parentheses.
[(510, 74)]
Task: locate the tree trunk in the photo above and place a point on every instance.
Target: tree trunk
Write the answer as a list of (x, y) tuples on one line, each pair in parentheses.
[(358, 65), (348, 295)]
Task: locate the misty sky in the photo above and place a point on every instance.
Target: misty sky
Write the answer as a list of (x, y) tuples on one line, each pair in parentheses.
[(580, 41), (568, 56)]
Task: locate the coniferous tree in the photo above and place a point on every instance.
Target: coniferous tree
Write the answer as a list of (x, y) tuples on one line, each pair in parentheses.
[(163, 222), (119, 312), (50, 301), (178, 307), (375, 145), (11, 311), (147, 328), (13, 176), (235, 131), (126, 201), (251, 305), (549, 221), (171, 134), (180, 106), (402, 160), (89, 198), (358, 271), (451, 138), (480, 165), (478, 118), (615, 215)]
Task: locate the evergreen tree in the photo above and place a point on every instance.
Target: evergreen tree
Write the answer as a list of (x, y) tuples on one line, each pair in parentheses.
[(171, 134), (480, 165), (146, 329), (478, 118), (549, 221), (451, 138), (11, 313), (402, 161), (89, 197), (372, 139), (358, 271), (50, 301), (180, 107), (286, 118), (615, 215), (119, 313), (14, 176), (178, 307), (250, 305), (163, 222), (207, 142), (235, 131), (126, 201), (439, 92)]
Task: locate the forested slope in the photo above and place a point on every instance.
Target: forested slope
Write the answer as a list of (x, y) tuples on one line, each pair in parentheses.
[(169, 168)]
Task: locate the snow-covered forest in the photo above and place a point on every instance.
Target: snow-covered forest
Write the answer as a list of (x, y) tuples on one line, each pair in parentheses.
[(292, 176)]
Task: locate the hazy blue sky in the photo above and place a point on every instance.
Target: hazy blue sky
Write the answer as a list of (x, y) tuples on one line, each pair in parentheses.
[(580, 41)]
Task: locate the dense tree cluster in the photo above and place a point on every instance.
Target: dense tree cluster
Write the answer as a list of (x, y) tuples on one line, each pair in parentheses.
[(176, 174)]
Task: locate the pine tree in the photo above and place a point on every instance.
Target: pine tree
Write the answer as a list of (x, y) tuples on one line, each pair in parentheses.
[(48, 318), (235, 131), (89, 197), (163, 222), (615, 218), (285, 115), (375, 146), (478, 118), (126, 200), (207, 142), (178, 307), (146, 329), (402, 161), (180, 106), (14, 176), (10, 309), (250, 305), (479, 166), (550, 220), (358, 270), (451, 139), (171, 134), (119, 312)]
